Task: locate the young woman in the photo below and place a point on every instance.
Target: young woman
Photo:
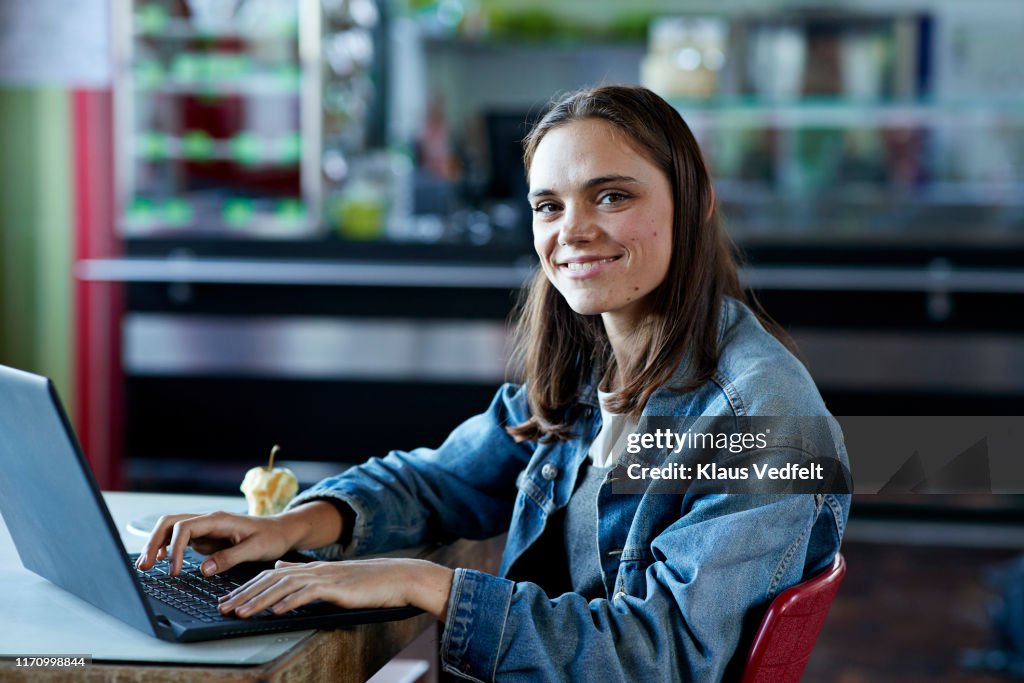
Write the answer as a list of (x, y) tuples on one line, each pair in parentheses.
[(636, 311)]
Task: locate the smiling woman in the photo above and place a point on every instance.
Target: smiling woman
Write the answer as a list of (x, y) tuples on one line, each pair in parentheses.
[(635, 313), (615, 173)]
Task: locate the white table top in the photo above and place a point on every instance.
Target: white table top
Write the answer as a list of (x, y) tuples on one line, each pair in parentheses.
[(41, 619)]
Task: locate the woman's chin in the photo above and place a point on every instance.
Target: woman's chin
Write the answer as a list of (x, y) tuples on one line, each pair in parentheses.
[(586, 307)]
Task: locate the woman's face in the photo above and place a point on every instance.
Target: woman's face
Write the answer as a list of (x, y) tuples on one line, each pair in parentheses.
[(602, 221)]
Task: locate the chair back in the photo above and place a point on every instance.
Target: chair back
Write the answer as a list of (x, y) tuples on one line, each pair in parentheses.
[(790, 627)]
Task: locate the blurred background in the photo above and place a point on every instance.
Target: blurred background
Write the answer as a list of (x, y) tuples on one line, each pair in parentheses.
[(226, 224)]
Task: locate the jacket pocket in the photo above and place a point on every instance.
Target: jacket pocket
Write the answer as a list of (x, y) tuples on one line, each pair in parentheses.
[(631, 578)]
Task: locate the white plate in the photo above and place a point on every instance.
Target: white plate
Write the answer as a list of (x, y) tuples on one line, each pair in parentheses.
[(142, 526)]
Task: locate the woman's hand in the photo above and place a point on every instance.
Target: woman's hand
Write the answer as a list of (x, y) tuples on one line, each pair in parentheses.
[(230, 539), (384, 582)]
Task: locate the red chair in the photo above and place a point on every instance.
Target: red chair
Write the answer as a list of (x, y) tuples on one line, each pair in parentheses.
[(787, 634)]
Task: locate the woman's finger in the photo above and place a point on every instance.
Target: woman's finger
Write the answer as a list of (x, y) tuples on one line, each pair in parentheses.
[(231, 555), (280, 586), (211, 525), (359, 583), (158, 539), (249, 590), (301, 597), (264, 576)]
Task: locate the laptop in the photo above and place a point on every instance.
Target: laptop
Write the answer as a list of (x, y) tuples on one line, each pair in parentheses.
[(63, 532)]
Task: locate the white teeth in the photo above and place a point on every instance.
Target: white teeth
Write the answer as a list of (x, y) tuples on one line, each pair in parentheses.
[(580, 267)]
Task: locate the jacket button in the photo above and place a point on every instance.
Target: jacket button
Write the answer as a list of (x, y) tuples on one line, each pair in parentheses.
[(549, 471)]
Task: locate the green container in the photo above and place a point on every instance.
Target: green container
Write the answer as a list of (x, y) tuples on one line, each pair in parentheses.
[(151, 19), (290, 148), (360, 213), (140, 211), (247, 149), (238, 212), (288, 76), (177, 212), (290, 210), (188, 67), (197, 145), (153, 146), (149, 74)]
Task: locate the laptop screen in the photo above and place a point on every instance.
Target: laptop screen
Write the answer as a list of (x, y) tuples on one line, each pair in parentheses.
[(52, 506)]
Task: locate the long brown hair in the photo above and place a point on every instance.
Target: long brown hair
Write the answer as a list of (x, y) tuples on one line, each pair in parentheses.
[(559, 350)]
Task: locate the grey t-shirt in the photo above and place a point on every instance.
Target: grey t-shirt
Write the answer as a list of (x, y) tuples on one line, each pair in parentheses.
[(580, 530), (579, 527)]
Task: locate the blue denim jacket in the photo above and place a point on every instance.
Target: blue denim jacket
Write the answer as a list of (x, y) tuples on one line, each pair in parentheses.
[(687, 576)]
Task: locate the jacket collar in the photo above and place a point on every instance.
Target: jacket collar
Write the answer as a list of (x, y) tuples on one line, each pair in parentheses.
[(588, 391)]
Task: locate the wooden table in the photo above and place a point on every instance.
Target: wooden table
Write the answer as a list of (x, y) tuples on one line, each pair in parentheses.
[(352, 654)]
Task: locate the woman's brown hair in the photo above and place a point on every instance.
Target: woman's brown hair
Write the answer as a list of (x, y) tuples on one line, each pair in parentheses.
[(558, 350)]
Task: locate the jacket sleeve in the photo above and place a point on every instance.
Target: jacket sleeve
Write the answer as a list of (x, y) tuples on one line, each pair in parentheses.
[(707, 575), (465, 488)]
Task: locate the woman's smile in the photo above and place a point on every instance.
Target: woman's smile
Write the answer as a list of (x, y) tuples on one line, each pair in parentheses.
[(583, 267)]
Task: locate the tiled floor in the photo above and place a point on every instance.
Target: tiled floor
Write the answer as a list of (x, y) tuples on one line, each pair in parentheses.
[(906, 613)]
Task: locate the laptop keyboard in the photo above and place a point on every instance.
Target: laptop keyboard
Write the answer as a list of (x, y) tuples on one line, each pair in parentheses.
[(190, 591)]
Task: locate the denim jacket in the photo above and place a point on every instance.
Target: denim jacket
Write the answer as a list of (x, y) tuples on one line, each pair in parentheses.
[(687, 576)]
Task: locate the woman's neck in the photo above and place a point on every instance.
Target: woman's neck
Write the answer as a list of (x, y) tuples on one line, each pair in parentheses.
[(620, 330)]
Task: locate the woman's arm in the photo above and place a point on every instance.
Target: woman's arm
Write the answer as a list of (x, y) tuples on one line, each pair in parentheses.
[(380, 582), (464, 488), (230, 539)]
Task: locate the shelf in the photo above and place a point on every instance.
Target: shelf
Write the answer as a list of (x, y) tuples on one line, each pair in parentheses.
[(250, 86), (175, 28), (491, 45), (211, 74), (937, 193), (259, 227), (312, 347), (237, 217), (936, 278), (305, 272), (845, 113), (245, 149)]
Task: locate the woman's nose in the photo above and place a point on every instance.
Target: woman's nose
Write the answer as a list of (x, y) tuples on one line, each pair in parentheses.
[(577, 228)]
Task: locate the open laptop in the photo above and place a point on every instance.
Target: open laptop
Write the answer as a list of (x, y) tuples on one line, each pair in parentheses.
[(64, 533)]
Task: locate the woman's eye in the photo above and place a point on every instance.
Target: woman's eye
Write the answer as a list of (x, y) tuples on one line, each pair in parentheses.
[(612, 198), (545, 207)]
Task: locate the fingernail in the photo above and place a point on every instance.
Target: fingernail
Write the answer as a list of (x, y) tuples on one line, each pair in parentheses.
[(209, 567)]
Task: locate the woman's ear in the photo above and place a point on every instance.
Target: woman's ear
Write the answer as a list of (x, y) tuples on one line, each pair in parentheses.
[(711, 201)]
